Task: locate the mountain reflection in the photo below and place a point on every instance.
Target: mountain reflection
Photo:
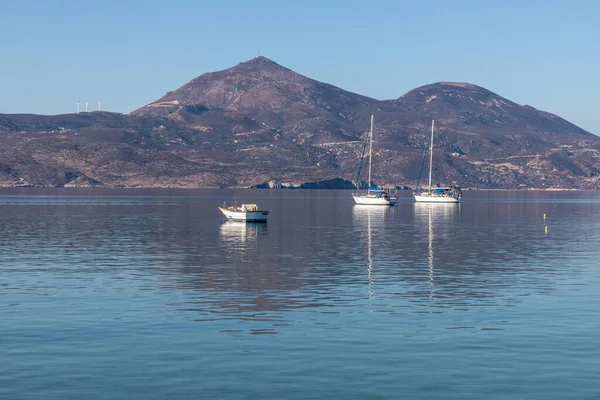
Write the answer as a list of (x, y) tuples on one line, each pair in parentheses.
[(242, 276), (430, 254), (318, 250)]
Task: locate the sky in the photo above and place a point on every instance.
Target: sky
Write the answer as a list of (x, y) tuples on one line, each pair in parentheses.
[(54, 53)]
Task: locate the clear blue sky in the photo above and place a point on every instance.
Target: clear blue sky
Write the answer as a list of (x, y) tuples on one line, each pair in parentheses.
[(542, 53)]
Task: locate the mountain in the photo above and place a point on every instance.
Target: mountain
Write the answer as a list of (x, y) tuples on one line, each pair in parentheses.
[(464, 110), (262, 96), (259, 122)]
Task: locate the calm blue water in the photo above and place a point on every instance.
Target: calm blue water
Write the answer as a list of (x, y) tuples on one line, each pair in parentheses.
[(149, 294)]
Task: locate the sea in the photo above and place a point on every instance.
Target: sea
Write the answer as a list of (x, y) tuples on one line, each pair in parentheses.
[(151, 294)]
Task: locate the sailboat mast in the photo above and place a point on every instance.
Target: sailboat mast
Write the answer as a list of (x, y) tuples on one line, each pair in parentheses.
[(370, 154), (431, 155)]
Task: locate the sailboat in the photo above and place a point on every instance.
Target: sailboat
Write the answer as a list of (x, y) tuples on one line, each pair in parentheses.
[(450, 194), (374, 195)]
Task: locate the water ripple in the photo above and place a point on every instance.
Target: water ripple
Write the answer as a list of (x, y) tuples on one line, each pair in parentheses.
[(153, 294)]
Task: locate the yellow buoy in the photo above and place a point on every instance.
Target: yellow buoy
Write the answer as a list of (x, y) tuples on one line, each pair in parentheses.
[(546, 229), (544, 216)]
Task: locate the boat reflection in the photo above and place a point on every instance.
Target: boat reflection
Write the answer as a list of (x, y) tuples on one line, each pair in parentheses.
[(371, 222), (241, 235), (439, 217)]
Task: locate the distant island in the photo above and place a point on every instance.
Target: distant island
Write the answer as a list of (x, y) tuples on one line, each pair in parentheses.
[(259, 124)]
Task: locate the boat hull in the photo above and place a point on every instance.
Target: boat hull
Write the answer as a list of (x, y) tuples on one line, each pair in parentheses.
[(245, 216), (373, 200), (435, 199)]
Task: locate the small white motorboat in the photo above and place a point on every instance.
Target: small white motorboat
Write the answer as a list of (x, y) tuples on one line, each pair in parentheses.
[(244, 213)]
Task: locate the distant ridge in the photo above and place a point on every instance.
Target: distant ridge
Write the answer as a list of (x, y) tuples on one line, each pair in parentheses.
[(260, 123)]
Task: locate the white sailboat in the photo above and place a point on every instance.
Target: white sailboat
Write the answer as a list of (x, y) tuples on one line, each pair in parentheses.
[(451, 194), (374, 196)]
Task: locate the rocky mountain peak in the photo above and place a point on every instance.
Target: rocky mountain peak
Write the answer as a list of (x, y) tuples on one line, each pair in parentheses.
[(452, 88), (262, 61), (458, 85), (452, 98)]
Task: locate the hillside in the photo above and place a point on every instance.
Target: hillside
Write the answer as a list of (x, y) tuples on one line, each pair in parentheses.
[(259, 122)]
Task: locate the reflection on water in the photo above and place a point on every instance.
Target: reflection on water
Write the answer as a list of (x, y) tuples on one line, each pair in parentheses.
[(241, 235), (371, 220), (442, 214), (105, 292)]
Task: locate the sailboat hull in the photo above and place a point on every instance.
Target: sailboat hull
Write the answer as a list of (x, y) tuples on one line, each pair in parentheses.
[(373, 200), (426, 198)]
